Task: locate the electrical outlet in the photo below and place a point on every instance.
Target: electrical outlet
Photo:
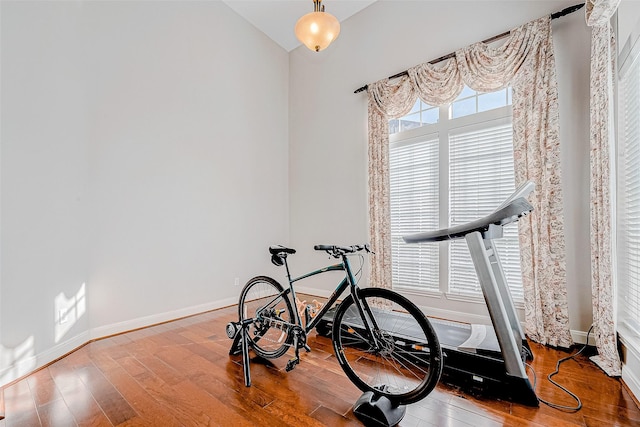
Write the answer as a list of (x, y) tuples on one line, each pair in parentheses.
[(236, 281)]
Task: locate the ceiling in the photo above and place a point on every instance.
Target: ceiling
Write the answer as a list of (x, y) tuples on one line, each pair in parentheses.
[(277, 18)]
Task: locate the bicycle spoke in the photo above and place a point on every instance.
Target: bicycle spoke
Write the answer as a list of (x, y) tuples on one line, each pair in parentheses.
[(354, 334), (261, 300), (392, 374), (400, 364), (408, 362), (395, 359)]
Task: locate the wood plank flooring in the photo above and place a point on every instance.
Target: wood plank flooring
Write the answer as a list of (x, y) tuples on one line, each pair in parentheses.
[(180, 374)]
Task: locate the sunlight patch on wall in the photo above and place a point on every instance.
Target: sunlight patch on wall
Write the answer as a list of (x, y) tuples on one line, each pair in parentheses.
[(67, 311), (18, 361)]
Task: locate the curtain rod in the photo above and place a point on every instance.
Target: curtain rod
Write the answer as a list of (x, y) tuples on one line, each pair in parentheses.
[(555, 15)]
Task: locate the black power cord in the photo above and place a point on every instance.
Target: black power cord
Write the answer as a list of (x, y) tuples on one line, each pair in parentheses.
[(551, 375)]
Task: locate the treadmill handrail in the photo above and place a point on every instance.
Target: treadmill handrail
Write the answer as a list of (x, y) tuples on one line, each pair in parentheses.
[(505, 215), (522, 191)]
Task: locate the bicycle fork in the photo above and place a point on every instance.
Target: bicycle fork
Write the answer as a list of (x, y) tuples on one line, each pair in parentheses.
[(368, 320)]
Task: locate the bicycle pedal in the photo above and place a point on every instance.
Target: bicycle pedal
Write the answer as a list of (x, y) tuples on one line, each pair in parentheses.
[(291, 364)]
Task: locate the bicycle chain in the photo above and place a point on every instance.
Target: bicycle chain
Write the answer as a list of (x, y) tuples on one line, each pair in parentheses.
[(276, 324), (285, 327)]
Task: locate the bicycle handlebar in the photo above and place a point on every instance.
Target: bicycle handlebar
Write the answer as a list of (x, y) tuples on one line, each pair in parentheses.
[(336, 251)]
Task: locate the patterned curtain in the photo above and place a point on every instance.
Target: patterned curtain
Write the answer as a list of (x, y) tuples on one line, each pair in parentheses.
[(598, 15), (525, 60), (385, 100)]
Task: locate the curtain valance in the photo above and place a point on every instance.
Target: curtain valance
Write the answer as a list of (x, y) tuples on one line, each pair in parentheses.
[(481, 67)]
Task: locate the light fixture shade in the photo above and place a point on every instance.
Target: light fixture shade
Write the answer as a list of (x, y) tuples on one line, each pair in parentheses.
[(316, 30)]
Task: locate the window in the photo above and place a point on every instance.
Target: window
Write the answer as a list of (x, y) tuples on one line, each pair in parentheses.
[(628, 193), (446, 171), (470, 102), (421, 114), (414, 197)]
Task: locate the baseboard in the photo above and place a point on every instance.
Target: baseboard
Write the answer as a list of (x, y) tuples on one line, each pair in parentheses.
[(323, 293), (34, 362), (580, 337), (632, 381), (146, 321), (30, 362)]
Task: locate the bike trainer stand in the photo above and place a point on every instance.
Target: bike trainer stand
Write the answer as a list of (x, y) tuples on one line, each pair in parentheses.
[(239, 332), (378, 411)]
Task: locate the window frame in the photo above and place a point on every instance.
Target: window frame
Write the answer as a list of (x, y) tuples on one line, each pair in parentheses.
[(443, 128), (628, 59)]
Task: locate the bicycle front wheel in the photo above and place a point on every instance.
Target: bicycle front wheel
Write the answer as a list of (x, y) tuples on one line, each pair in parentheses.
[(399, 358), (263, 300)]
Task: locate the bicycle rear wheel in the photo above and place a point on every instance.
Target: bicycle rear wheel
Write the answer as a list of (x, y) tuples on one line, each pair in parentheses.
[(262, 299), (401, 360)]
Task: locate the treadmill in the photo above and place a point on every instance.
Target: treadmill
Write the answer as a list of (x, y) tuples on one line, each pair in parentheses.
[(480, 358)]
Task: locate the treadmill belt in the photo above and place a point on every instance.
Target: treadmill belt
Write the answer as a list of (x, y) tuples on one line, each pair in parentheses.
[(454, 335)]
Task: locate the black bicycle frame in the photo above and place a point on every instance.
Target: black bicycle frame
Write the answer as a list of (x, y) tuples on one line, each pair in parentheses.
[(349, 280)]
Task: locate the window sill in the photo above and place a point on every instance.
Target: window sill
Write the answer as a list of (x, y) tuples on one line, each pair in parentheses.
[(474, 299)]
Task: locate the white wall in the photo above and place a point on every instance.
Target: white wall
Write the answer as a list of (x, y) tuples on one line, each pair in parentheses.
[(328, 123), (44, 173), (144, 154), (189, 152), (129, 164)]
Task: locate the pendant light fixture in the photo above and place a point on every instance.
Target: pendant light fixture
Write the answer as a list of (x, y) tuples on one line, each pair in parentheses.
[(316, 30)]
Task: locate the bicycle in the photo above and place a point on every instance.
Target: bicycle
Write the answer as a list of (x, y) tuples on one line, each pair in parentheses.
[(382, 341)]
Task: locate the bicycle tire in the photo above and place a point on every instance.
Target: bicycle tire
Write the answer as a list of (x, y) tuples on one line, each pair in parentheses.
[(407, 364), (266, 338)]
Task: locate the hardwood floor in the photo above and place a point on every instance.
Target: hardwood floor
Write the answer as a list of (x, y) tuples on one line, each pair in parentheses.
[(180, 374)]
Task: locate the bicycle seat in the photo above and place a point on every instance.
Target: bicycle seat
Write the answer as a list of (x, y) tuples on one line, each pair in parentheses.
[(278, 249)]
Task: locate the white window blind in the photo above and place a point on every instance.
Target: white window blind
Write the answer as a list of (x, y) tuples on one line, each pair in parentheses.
[(448, 171), (413, 179), (481, 176), (629, 196)]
